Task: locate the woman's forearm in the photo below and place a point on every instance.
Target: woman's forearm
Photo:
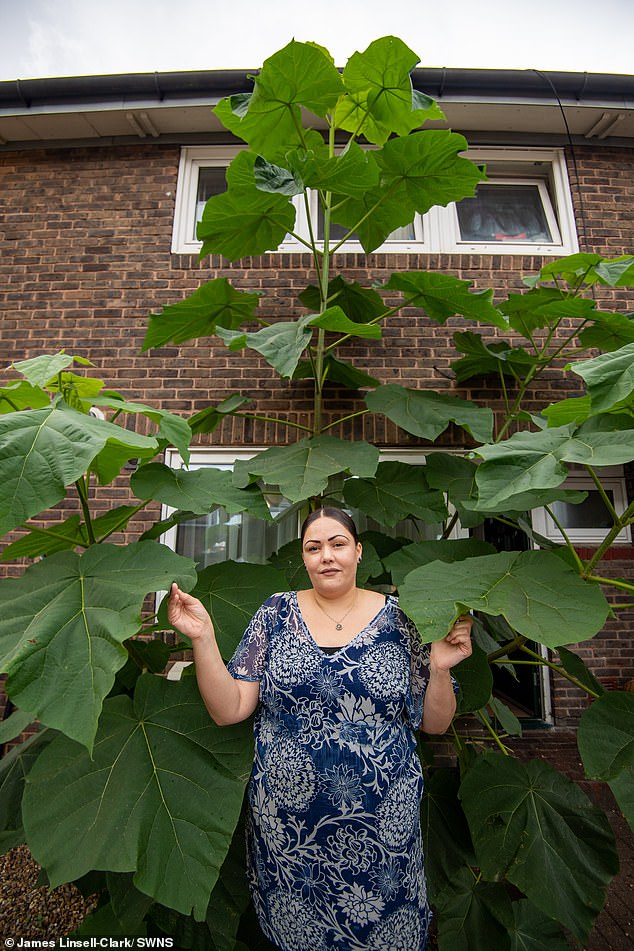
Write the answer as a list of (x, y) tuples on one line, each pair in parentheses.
[(227, 700), (440, 702)]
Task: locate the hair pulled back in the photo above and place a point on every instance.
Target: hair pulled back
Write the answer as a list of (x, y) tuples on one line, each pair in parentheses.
[(330, 512)]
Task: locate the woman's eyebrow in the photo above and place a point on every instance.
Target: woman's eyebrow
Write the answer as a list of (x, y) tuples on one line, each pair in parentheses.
[(317, 541)]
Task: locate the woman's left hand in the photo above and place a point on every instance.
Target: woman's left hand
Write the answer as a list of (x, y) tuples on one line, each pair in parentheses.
[(453, 648)]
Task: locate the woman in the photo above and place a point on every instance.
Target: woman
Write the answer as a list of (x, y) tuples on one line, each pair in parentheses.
[(340, 682)]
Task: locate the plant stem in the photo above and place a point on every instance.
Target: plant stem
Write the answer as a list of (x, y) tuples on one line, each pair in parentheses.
[(538, 659), (273, 419), (621, 522), (516, 643), (123, 521), (615, 582), (82, 491), (603, 494), (494, 735), (344, 419), (569, 545), (456, 738)]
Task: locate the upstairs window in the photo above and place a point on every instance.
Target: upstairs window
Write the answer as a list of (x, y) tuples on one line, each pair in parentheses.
[(524, 206), (508, 211)]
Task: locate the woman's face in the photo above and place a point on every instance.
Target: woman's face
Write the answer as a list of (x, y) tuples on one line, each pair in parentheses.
[(331, 557)]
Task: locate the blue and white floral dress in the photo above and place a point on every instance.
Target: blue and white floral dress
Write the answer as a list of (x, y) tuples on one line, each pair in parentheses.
[(334, 840)]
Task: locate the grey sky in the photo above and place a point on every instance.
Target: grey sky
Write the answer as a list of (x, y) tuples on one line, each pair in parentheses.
[(86, 37)]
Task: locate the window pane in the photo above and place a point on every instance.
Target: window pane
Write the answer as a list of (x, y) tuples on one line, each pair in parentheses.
[(502, 212), (211, 181), (337, 232), (590, 513), (219, 536)]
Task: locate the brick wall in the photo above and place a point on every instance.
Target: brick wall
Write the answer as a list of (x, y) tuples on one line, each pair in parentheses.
[(85, 257)]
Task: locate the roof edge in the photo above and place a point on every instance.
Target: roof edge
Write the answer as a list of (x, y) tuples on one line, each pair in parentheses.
[(437, 82)]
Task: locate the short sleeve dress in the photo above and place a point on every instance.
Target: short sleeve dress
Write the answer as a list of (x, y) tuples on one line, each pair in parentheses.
[(334, 848)]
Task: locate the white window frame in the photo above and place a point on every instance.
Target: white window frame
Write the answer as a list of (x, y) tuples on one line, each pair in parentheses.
[(559, 212), (437, 231), (612, 479), (192, 159)]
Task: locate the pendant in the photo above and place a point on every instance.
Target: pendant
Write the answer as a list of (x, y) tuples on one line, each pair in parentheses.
[(338, 627)]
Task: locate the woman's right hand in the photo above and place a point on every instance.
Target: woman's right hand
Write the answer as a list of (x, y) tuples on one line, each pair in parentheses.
[(188, 615)]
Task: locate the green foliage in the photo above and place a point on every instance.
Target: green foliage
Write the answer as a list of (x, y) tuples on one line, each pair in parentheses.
[(64, 623), (527, 819), (129, 784), (161, 763), (541, 597), (606, 744)]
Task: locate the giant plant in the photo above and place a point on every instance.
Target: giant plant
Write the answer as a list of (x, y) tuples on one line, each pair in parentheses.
[(128, 787)]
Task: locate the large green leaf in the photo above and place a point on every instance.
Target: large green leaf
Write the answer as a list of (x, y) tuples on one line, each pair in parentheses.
[(417, 172), (427, 414), (379, 98), (350, 173), (197, 491), (244, 220), (442, 296), (606, 744), (281, 344), (573, 664), (534, 931), (215, 304), (575, 269), (337, 371), (455, 475), (22, 395), (530, 461), (210, 418), (173, 429), (43, 369), (616, 272), (15, 765), (300, 74), (160, 796), (609, 332), (63, 622), (531, 823), (336, 321), (302, 469), (401, 562), (609, 377), (540, 596), (446, 836), (232, 592), (586, 268), (484, 359), (360, 304), (70, 533), (474, 915), (44, 450), (397, 491), (475, 679), (545, 307)]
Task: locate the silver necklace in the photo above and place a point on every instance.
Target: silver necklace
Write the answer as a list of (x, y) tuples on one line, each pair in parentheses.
[(338, 624)]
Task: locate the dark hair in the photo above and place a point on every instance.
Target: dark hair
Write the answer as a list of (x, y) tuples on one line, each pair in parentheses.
[(330, 512)]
